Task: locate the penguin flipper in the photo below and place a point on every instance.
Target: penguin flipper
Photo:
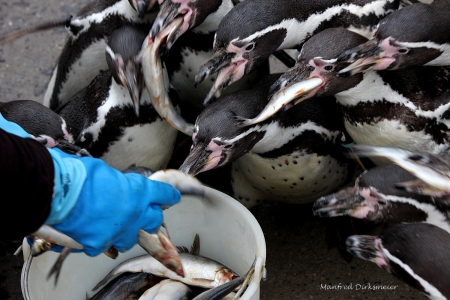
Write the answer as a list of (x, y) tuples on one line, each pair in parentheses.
[(72, 149)]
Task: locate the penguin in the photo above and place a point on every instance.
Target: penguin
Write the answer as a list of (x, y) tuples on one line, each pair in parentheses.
[(83, 54), (254, 29), (42, 123), (109, 122), (416, 35), (377, 197), (405, 108), (191, 46), (432, 170), (416, 253), (294, 157)]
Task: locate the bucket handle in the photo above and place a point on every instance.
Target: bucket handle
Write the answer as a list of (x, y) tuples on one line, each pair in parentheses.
[(256, 279)]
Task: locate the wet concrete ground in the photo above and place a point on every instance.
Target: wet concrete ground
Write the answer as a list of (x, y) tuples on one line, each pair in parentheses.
[(299, 264)]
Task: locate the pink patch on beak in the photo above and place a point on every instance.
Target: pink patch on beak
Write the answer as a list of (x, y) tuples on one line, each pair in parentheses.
[(215, 156), (380, 260), (362, 212), (237, 67), (388, 54)]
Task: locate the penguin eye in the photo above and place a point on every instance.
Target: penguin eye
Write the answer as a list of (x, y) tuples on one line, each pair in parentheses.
[(250, 47), (403, 50), (227, 146), (328, 67)]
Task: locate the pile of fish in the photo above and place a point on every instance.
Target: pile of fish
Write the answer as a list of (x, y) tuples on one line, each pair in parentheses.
[(144, 277)]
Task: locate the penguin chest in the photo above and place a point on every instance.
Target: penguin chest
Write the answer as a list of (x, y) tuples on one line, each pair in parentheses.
[(296, 178), (148, 145), (121, 138), (393, 133)]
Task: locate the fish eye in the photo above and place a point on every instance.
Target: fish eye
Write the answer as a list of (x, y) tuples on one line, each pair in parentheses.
[(250, 47), (328, 67), (403, 50)]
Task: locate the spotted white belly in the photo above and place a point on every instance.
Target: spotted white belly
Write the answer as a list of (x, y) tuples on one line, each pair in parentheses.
[(298, 178), (149, 145)]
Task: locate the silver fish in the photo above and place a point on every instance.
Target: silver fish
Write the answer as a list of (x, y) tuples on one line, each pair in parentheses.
[(280, 99), (167, 289), (432, 170), (198, 270), (157, 81), (185, 183), (161, 248)]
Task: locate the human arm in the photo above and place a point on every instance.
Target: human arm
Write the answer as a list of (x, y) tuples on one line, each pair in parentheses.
[(91, 202)]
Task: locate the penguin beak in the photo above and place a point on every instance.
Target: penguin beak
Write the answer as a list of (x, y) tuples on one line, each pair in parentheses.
[(198, 160), (363, 247), (143, 6), (168, 11), (290, 87), (357, 202), (367, 56), (133, 79), (338, 204), (220, 62), (297, 84)]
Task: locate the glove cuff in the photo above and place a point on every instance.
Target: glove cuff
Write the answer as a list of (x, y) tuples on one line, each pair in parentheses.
[(13, 128), (70, 175)]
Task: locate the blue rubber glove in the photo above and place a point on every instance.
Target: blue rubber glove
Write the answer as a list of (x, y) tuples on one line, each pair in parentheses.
[(112, 207)]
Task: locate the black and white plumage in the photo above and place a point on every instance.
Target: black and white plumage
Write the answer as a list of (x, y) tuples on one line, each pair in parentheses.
[(415, 35), (104, 118), (192, 46), (294, 157), (83, 55), (255, 29), (416, 253), (432, 170), (42, 123), (377, 197), (405, 109)]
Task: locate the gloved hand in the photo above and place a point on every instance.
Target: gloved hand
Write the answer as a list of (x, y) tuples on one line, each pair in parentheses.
[(111, 206)]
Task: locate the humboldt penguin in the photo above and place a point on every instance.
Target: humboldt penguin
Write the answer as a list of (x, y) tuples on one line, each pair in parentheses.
[(113, 117), (416, 253), (406, 108), (294, 157), (376, 197), (42, 123), (254, 29), (83, 54), (193, 45), (415, 35)]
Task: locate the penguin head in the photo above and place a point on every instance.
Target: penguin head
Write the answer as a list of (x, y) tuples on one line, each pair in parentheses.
[(193, 13), (238, 48), (407, 37), (317, 64), (218, 139), (123, 55), (416, 253)]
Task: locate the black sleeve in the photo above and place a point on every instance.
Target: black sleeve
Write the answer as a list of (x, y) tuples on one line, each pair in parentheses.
[(26, 179)]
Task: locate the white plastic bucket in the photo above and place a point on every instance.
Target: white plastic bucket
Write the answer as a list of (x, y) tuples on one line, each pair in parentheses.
[(228, 232)]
